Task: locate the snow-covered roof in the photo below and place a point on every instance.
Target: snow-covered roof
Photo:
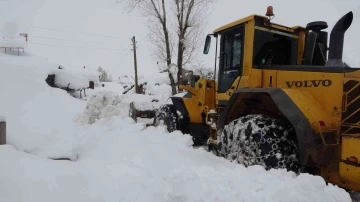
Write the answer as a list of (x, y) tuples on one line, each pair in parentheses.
[(13, 42), (74, 79)]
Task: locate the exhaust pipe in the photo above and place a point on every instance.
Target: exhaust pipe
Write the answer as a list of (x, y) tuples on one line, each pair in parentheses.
[(337, 40)]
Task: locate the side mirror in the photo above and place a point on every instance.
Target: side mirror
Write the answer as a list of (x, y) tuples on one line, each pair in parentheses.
[(207, 44)]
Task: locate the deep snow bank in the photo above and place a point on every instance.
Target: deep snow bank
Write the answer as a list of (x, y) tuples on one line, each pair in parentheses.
[(118, 162), (174, 171), (39, 118), (102, 105)]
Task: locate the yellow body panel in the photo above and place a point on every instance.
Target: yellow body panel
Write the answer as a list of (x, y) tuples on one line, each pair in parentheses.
[(350, 148), (191, 105), (226, 96), (301, 46), (251, 17), (202, 96), (328, 97), (310, 107), (345, 174), (237, 22)]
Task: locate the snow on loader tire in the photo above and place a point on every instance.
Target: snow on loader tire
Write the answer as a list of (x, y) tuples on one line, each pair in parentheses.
[(166, 114), (260, 140)]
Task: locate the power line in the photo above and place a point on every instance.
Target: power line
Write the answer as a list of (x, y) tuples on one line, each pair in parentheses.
[(123, 57), (59, 39), (59, 30), (127, 53), (53, 45)]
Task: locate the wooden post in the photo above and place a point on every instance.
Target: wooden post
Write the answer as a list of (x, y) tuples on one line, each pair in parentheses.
[(132, 112), (135, 65), (2, 131)]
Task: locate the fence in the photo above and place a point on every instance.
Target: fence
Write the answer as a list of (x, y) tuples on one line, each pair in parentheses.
[(2, 132)]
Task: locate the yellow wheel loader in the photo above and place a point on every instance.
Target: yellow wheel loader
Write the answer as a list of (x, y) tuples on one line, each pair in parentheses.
[(282, 98)]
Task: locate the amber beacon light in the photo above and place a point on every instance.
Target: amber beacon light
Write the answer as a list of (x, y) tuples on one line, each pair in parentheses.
[(270, 11)]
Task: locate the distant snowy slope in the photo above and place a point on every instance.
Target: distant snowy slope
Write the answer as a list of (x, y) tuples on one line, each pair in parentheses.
[(80, 33)]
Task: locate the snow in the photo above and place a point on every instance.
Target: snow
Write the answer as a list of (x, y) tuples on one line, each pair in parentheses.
[(118, 170), (39, 118), (102, 105), (11, 37), (74, 79), (125, 79), (212, 111), (144, 106), (182, 94), (111, 87), (114, 158), (16, 42), (156, 78)]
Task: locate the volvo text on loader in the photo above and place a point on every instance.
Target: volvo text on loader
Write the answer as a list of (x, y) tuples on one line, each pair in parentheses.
[(283, 98)]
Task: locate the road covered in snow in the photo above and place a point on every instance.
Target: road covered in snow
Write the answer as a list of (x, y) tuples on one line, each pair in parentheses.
[(115, 159)]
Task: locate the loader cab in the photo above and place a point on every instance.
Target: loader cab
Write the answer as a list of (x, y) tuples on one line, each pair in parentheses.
[(232, 43), (248, 42)]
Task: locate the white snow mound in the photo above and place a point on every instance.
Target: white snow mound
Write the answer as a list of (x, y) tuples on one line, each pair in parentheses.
[(74, 79), (102, 105)]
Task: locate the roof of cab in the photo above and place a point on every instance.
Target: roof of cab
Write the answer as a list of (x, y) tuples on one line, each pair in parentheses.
[(246, 19)]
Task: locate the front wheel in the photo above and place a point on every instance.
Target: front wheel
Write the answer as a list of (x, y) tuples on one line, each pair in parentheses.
[(166, 115), (260, 140)]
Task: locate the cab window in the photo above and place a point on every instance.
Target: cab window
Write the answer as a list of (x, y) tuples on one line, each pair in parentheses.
[(274, 48), (231, 57)]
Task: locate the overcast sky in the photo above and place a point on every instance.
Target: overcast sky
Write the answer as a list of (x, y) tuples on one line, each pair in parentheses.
[(75, 33)]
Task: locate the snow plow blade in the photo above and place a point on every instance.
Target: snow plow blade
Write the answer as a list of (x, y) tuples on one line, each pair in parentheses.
[(142, 113)]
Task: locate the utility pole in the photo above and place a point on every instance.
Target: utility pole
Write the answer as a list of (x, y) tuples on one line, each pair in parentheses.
[(135, 65)]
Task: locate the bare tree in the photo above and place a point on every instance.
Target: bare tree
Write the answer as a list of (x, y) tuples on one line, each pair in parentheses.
[(169, 21), (104, 76), (206, 73), (155, 11), (190, 16)]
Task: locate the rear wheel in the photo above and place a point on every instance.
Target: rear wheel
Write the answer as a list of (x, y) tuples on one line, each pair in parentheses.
[(260, 140), (166, 115)]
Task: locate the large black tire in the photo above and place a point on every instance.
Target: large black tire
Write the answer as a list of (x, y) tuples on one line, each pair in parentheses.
[(260, 140), (166, 114)]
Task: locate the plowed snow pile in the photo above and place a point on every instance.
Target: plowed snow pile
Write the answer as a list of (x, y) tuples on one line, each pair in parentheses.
[(117, 159)]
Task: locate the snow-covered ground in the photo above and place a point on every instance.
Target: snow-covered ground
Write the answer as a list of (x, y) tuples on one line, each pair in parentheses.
[(114, 158)]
